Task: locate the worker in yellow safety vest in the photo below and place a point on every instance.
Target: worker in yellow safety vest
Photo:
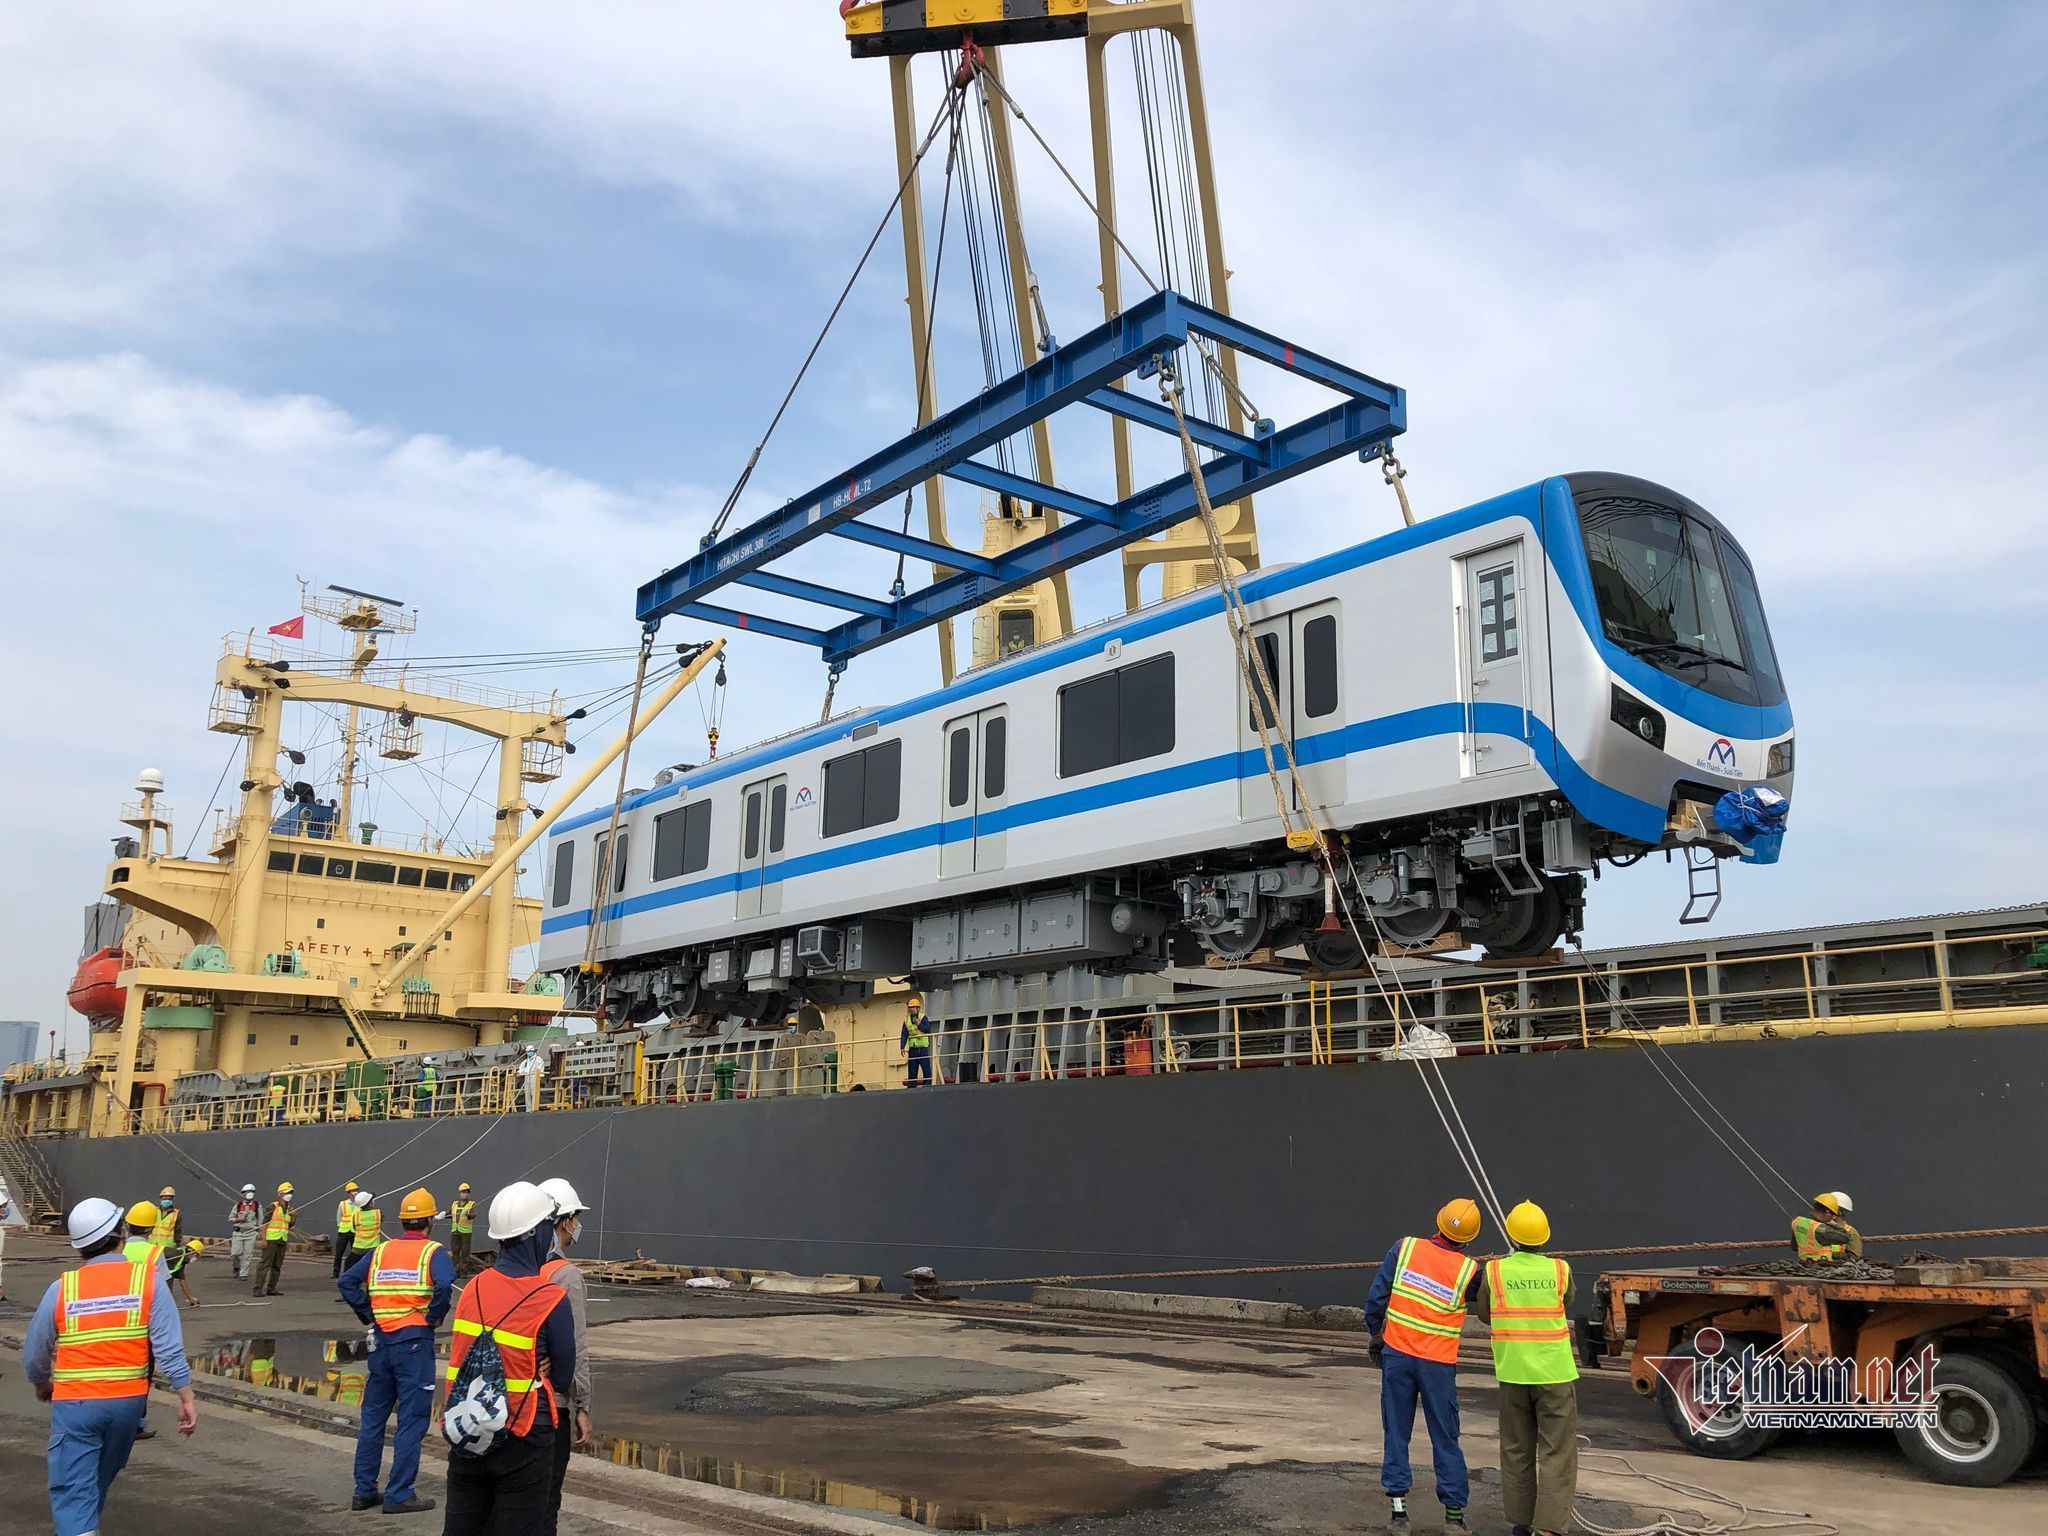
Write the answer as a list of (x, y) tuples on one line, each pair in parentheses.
[(1415, 1313), (277, 1231), (345, 1229), (1527, 1299), (1826, 1235), (401, 1288), (141, 1248), (916, 1042), (168, 1232), (277, 1101), (368, 1231), (461, 1225)]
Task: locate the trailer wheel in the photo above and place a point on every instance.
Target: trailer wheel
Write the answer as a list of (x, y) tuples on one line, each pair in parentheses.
[(1983, 1429), (1728, 1435)]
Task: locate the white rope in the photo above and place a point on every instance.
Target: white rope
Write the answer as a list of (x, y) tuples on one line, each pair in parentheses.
[(1694, 1522)]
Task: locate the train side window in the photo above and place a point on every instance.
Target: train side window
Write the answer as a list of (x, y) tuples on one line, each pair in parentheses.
[(778, 814), (565, 872), (1118, 717), (1319, 666), (682, 840), (1499, 631), (959, 765), (750, 836), (1269, 655), (863, 789), (994, 748)]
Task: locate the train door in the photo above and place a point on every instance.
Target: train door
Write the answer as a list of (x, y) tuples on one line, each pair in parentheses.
[(1491, 640), (1303, 654), (974, 783), (764, 825)]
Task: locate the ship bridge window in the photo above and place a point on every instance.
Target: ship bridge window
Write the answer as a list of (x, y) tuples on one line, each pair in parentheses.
[(437, 880), (377, 873), (339, 869), (863, 789), (1116, 718), (280, 861), (682, 841), (408, 874), (311, 864), (461, 882)]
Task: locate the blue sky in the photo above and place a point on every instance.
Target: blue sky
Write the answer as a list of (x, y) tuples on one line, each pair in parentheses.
[(484, 305)]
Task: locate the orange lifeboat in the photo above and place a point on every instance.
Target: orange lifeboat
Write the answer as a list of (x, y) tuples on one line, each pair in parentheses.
[(96, 989)]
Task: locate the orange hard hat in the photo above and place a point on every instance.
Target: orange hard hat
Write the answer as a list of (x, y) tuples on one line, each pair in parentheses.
[(1459, 1221)]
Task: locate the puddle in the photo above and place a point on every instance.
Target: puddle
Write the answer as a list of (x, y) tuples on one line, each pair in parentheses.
[(676, 1461), (310, 1364)]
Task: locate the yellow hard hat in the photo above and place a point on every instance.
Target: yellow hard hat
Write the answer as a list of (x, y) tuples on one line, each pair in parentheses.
[(1828, 1200), (143, 1214), (1459, 1221), (349, 1188), (285, 1188), (196, 1245), (417, 1206), (462, 1188), (166, 1193), (1527, 1226), (914, 1001)]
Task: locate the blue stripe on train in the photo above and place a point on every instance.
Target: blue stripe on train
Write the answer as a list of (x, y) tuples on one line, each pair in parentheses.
[(1598, 802)]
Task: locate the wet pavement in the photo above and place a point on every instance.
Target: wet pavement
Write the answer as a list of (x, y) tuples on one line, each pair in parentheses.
[(897, 1412)]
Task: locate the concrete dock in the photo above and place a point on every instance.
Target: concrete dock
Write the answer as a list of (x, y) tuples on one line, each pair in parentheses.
[(733, 1412)]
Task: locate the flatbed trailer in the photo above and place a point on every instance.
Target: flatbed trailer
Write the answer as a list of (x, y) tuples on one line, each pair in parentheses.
[(1851, 1351)]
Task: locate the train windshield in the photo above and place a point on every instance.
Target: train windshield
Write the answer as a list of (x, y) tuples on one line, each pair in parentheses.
[(1674, 589)]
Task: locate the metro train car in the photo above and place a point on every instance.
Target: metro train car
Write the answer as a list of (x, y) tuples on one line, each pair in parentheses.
[(1483, 707)]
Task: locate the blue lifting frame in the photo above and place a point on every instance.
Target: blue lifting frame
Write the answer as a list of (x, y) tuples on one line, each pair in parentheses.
[(1367, 417)]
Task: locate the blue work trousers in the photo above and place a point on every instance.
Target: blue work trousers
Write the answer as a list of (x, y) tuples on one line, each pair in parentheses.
[(401, 1377), (90, 1439), (1405, 1380), (920, 1065)]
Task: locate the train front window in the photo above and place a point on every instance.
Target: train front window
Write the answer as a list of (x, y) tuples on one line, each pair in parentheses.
[(1667, 594)]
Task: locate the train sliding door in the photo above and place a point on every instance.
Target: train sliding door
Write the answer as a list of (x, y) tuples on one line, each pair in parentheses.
[(1491, 635), (1303, 655), (974, 783), (764, 823)]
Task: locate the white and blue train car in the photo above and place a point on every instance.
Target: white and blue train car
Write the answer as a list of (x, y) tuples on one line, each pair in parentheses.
[(1485, 704)]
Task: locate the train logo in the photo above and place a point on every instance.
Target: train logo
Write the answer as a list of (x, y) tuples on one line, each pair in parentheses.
[(1720, 757), (804, 795)]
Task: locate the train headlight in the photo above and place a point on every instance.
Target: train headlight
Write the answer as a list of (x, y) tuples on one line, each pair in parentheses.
[(1632, 714), (1780, 759)]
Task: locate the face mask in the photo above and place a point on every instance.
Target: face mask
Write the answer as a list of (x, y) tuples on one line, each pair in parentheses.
[(575, 1231)]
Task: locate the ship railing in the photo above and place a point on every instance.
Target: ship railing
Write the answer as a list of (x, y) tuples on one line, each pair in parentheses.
[(1897, 985), (396, 673)]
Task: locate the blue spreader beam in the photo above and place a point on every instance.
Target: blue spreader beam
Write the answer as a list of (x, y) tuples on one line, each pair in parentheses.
[(1367, 415)]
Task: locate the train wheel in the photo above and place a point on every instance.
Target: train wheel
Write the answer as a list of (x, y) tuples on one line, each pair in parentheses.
[(1416, 927), (1334, 951), (1983, 1425), (1537, 922), (1728, 1435)]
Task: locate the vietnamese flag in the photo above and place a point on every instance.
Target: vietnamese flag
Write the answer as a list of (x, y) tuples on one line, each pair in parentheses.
[(291, 629)]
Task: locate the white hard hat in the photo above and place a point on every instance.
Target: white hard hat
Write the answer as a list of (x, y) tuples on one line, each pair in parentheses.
[(426, 1061), (517, 1209), (362, 1197), (92, 1220), (248, 1189), (563, 1193), (1842, 1202)]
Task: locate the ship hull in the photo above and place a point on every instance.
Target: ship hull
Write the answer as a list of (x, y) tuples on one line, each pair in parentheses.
[(1934, 1130)]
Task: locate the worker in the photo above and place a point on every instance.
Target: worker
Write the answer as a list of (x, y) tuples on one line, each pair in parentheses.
[(575, 1431), (141, 1248), (505, 1489), (277, 1101), (6, 1216), (345, 1228), (423, 1088), (1415, 1312), (245, 1220), (179, 1262), (1527, 1298), (916, 1043), (169, 1230), (529, 1072), (277, 1231), (368, 1230), (88, 1353), (461, 1225), (401, 1289), (1825, 1234)]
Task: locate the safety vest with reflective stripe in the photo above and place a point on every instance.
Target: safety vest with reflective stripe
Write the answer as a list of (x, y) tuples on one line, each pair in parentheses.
[(344, 1217), (138, 1249), (279, 1226), (462, 1216), (276, 1094), (1426, 1312), (402, 1282), (916, 1037), (1804, 1238), (369, 1228), (102, 1323), (1532, 1337), (165, 1233), (518, 1305)]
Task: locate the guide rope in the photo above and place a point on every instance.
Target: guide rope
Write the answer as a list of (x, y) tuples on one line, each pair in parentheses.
[(593, 936), (1693, 1522)]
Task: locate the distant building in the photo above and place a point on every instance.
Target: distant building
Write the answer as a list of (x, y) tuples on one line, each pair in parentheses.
[(19, 1041)]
